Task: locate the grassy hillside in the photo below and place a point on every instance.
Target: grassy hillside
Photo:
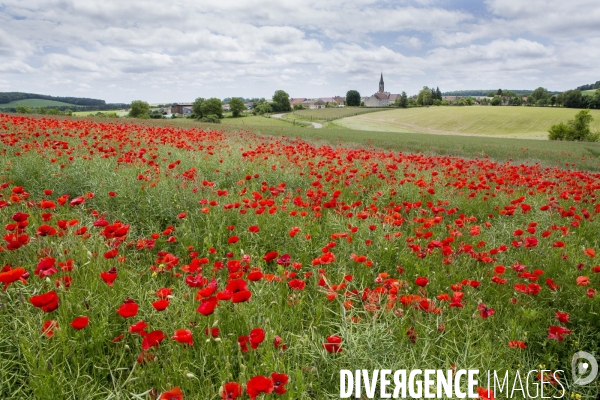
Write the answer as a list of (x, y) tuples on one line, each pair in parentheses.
[(325, 114), (515, 122), (35, 103), (588, 92)]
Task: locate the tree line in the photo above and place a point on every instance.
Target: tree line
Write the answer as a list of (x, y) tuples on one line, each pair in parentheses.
[(7, 97)]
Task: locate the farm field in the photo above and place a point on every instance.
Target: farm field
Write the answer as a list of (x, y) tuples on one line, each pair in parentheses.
[(120, 113), (328, 114), (35, 103), (548, 153), (513, 122), (145, 258)]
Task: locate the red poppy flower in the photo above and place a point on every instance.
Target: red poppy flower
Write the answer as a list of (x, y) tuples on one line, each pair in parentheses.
[(257, 335), (231, 391), (10, 275), (558, 332), (80, 322), (254, 229), (485, 394), (109, 276), (279, 382), (421, 281), (243, 342), (257, 385), (139, 328), (270, 256), (239, 290), (278, 343), (153, 339), (562, 317), (297, 284), (128, 309), (160, 305), (183, 336), (46, 267), (49, 327), (484, 311), (233, 239), (333, 344), (590, 252), (47, 302), (173, 394), (583, 281), (207, 306), (111, 253), (214, 332), (163, 293), (255, 275), (517, 344)]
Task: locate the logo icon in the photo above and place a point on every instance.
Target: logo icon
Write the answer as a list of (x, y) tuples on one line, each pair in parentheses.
[(584, 368)]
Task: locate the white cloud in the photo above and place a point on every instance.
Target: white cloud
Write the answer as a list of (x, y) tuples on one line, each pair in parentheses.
[(180, 50)]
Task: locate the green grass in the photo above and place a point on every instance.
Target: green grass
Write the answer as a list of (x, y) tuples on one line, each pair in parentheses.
[(589, 92), (328, 114), (35, 103), (513, 122)]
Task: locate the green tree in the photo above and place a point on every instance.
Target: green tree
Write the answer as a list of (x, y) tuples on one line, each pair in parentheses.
[(236, 106), (552, 101), (261, 107), (499, 92), (540, 94), (573, 98), (139, 109), (496, 101), (281, 101), (438, 93), (22, 109), (402, 100), (424, 98), (212, 106), (352, 98), (197, 107), (577, 129)]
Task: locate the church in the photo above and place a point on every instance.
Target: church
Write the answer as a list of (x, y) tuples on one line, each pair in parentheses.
[(381, 98)]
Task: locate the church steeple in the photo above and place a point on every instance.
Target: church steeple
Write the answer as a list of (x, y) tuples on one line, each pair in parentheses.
[(381, 84)]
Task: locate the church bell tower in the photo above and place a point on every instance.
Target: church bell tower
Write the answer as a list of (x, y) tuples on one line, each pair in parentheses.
[(381, 84)]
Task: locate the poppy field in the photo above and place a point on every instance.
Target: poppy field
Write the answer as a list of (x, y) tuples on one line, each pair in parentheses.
[(147, 262)]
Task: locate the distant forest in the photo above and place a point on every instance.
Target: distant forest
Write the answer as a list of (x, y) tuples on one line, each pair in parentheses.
[(7, 97), (486, 92), (591, 86), (77, 103)]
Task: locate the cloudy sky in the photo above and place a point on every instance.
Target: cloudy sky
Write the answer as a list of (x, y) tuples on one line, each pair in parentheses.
[(172, 50)]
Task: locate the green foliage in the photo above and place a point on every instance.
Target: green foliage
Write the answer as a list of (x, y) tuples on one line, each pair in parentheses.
[(496, 101), (353, 98), (212, 118), (236, 106), (281, 101), (22, 109), (197, 107), (573, 98), (540, 94), (212, 106), (402, 101), (261, 107), (155, 114), (577, 129), (425, 97), (8, 97), (139, 109), (298, 106)]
